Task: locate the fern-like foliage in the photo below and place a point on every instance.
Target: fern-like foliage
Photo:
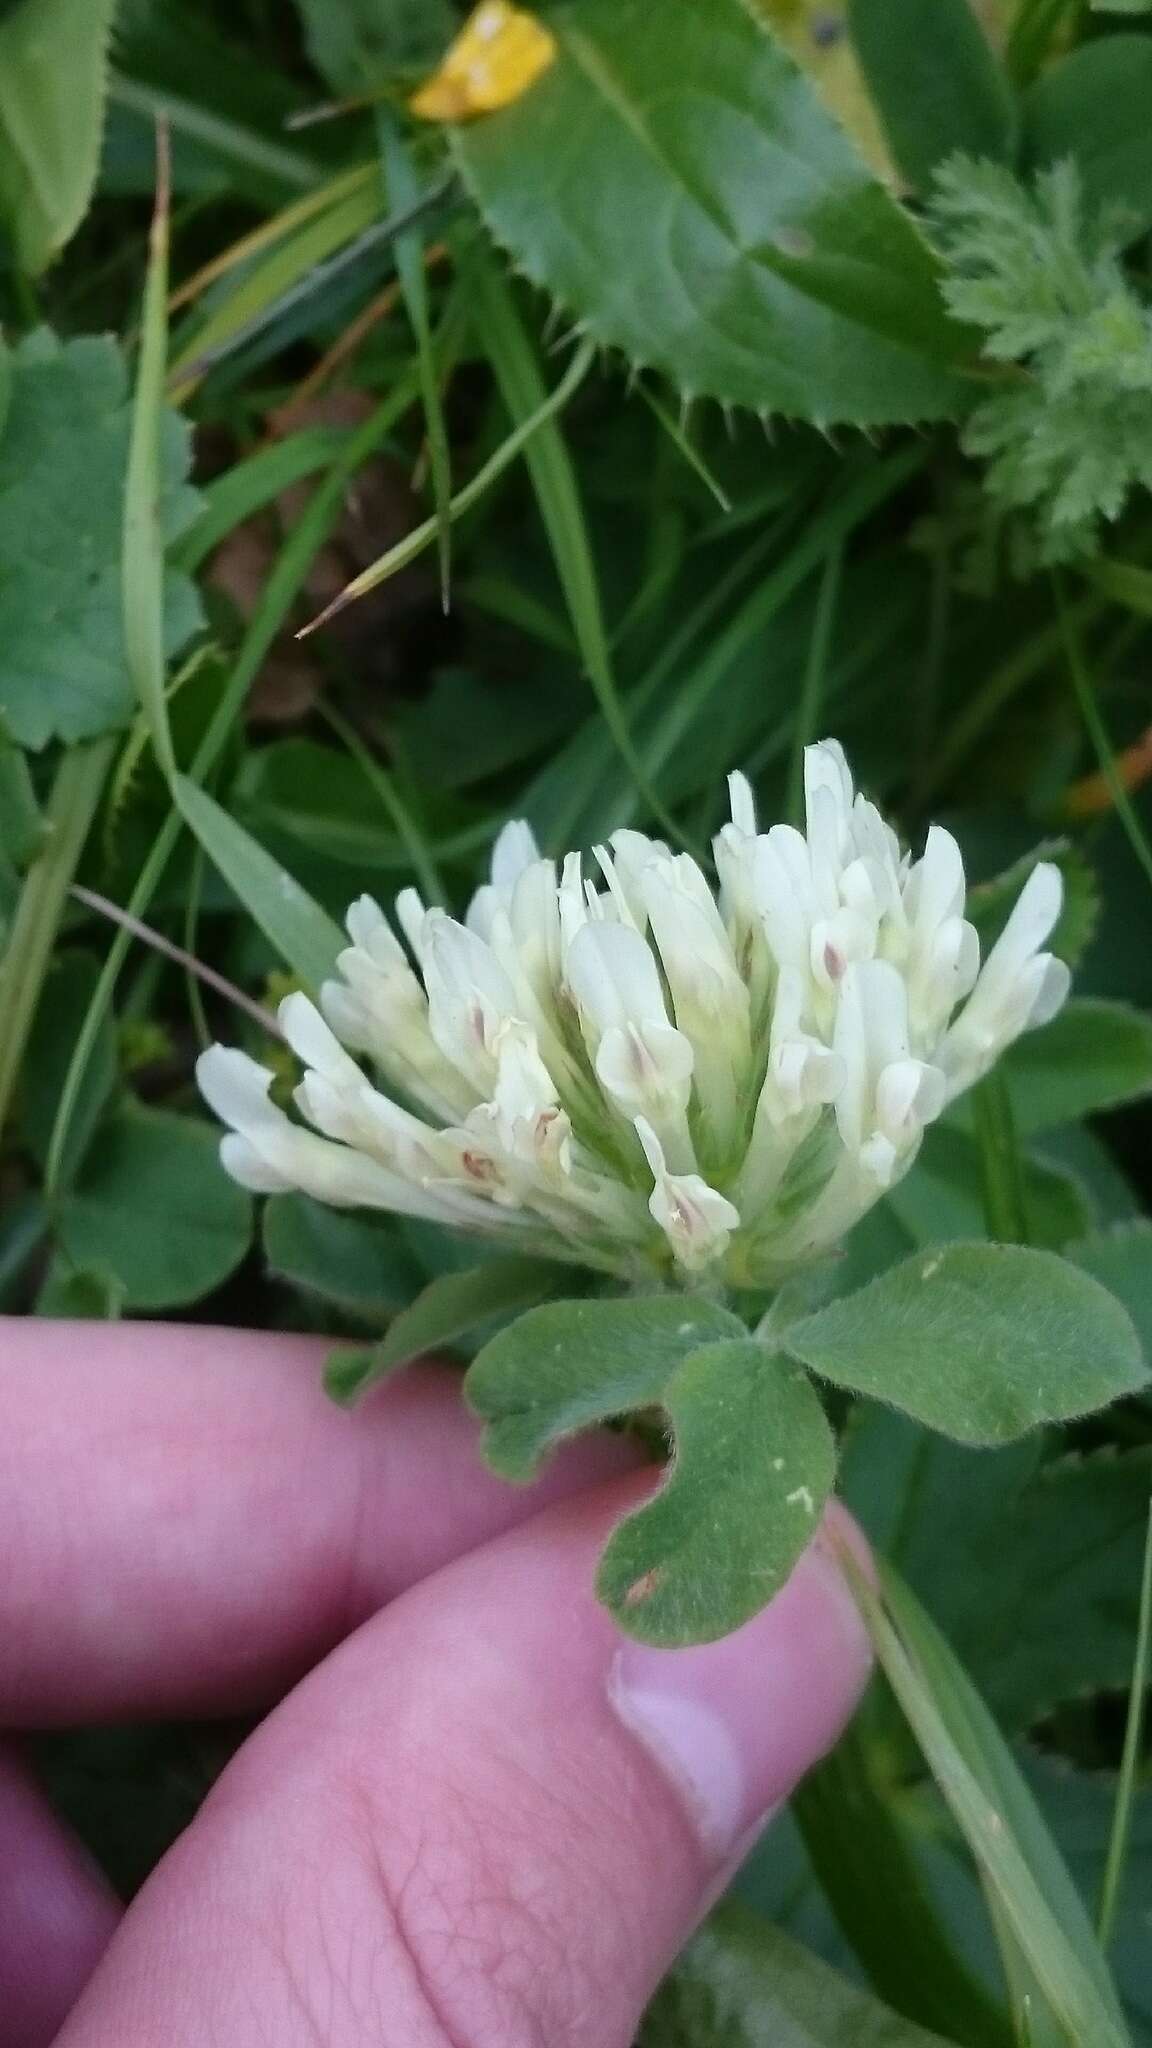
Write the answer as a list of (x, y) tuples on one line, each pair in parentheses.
[(1067, 434)]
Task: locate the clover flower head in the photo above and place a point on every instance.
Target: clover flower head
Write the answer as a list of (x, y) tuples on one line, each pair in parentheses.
[(627, 1067)]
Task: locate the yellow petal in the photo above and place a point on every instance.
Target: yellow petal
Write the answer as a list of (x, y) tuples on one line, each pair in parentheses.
[(499, 53)]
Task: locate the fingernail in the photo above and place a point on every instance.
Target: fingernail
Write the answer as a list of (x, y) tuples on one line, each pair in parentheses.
[(735, 1725)]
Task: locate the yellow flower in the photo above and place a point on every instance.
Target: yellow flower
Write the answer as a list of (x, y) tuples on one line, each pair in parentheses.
[(499, 53)]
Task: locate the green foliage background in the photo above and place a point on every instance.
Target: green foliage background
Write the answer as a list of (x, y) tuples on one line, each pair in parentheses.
[(599, 365)]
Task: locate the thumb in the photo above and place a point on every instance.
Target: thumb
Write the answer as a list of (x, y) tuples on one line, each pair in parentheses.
[(485, 1819)]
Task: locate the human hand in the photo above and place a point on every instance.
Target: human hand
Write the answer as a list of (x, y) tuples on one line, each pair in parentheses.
[(477, 1818)]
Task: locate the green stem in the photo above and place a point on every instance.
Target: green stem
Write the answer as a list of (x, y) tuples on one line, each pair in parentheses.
[(1005, 1201), (1130, 1756), (815, 678), (1098, 732), (68, 814), (406, 829)]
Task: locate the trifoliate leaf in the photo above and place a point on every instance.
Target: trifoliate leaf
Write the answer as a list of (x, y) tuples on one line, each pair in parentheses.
[(63, 456), (755, 1462), (564, 1367), (754, 1457), (980, 1341)]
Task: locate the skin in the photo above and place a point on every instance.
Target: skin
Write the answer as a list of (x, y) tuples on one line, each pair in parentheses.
[(454, 1826)]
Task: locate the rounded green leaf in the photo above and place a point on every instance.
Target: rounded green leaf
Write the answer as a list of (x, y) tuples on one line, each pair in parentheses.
[(447, 1309), (674, 181), (754, 1464), (980, 1341), (153, 1209), (570, 1364), (356, 1262)]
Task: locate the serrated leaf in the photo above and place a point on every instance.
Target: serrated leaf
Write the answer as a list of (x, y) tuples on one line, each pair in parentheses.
[(754, 1464), (63, 461), (1093, 107), (153, 1208), (1093, 1056), (982, 1342), (562, 1368), (447, 1309), (53, 75), (936, 81), (820, 43), (304, 935), (743, 1983), (774, 270)]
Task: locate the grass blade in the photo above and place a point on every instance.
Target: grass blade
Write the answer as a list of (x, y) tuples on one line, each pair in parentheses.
[(414, 543), (808, 711), (1098, 733), (404, 190), (404, 825), (1005, 1196), (1034, 1896), (292, 169), (68, 814), (142, 561), (1131, 1754), (514, 365), (303, 934), (249, 485)]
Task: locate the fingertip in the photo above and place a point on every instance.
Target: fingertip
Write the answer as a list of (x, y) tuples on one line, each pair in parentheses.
[(735, 1724), (57, 1914)]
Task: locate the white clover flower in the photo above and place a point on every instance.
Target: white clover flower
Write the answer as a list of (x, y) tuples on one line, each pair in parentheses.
[(642, 1074)]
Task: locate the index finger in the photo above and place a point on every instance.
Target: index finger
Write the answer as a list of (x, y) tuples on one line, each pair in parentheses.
[(187, 1522)]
